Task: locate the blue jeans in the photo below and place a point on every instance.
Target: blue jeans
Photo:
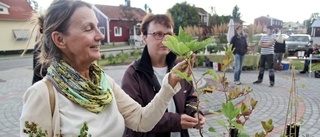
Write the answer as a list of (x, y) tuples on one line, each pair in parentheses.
[(238, 62)]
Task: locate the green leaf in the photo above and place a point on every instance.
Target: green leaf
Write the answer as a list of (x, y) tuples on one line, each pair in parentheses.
[(212, 129), (241, 134), (182, 75), (211, 72), (192, 106), (229, 110), (212, 112), (200, 45), (236, 125), (182, 37), (267, 126), (208, 90), (192, 44), (221, 122), (244, 108), (172, 43)]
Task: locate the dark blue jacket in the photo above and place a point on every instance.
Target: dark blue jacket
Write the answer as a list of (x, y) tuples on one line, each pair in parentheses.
[(239, 44)]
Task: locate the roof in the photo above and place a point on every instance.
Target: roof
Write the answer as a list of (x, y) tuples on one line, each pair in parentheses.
[(202, 11), (316, 23), (268, 18), (18, 10), (119, 12)]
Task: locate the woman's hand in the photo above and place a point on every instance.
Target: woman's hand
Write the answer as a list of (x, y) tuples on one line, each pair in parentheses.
[(184, 67), (201, 122)]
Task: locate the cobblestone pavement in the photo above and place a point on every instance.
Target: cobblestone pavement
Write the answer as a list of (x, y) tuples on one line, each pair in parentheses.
[(272, 101)]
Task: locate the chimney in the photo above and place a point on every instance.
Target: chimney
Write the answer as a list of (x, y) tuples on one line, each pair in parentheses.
[(127, 3)]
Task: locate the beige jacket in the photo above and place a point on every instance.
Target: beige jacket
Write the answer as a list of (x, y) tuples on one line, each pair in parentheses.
[(36, 108)]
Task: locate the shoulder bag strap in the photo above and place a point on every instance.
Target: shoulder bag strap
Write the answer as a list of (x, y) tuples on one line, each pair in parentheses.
[(51, 94)]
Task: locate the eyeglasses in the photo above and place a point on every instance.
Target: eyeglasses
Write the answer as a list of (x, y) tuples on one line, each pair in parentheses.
[(159, 35)]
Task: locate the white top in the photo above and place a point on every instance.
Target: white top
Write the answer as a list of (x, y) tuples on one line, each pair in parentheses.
[(68, 117), (160, 73), (70, 113)]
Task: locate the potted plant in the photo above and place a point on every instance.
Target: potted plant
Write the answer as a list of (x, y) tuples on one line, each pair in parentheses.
[(292, 127), (184, 47)]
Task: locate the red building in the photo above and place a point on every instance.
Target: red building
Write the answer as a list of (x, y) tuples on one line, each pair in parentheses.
[(268, 21), (118, 23)]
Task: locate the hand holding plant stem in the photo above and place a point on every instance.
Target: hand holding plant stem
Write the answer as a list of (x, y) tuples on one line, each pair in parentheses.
[(185, 47)]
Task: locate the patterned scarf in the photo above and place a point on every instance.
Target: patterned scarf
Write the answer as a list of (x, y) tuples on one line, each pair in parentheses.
[(94, 95)]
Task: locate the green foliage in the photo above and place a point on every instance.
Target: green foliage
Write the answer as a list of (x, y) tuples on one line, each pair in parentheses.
[(33, 130), (200, 60), (222, 38), (84, 130), (184, 15), (136, 53), (112, 59), (182, 75), (218, 20), (183, 45), (122, 56), (267, 126), (235, 12), (212, 73), (229, 110)]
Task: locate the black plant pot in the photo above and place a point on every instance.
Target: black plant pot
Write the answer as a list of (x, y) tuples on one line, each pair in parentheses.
[(233, 132), (292, 130)]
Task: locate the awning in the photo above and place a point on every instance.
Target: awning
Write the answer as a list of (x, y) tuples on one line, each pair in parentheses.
[(21, 34)]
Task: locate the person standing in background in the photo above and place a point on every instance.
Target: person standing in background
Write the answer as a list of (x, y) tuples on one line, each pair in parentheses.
[(279, 50), (311, 51), (239, 47), (267, 50)]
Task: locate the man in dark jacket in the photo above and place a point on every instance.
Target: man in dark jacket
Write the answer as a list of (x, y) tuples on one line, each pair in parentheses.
[(311, 51), (144, 76), (240, 46)]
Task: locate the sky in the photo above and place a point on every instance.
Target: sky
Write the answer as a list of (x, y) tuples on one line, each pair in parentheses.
[(285, 10)]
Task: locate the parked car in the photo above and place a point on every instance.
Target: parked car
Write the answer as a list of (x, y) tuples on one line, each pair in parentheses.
[(285, 36), (298, 42)]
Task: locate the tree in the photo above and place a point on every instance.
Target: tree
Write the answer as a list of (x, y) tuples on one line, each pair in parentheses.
[(147, 8), (314, 16), (128, 17), (34, 4), (235, 12), (184, 15)]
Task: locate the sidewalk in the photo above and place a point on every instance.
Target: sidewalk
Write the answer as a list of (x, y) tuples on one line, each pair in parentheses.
[(272, 101)]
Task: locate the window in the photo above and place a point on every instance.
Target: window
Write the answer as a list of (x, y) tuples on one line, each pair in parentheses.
[(117, 31), (21, 34), (3, 10), (102, 30)]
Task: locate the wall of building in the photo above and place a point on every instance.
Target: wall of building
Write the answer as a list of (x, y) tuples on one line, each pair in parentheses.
[(7, 39), (125, 32)]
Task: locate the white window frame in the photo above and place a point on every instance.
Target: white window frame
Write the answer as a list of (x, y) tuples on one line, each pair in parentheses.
[(102, 30), (4, 8), (117, 31)]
